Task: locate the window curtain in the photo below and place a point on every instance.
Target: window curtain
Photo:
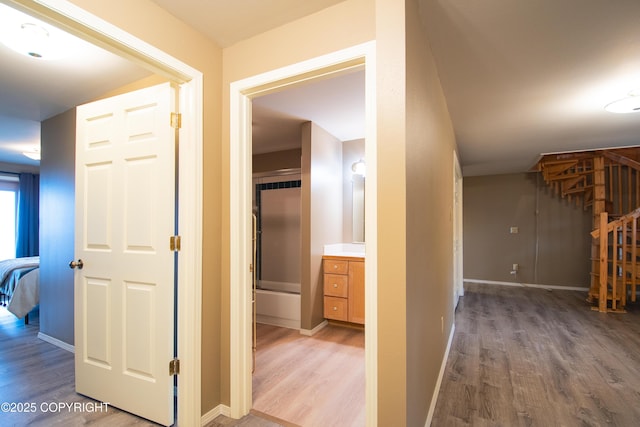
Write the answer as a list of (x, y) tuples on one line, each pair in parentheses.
[(28, 218)]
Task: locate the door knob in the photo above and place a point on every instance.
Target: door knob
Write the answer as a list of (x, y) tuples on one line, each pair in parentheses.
[(74, 264)]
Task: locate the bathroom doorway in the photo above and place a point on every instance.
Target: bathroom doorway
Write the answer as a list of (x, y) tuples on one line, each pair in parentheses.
[(282, 344), (242, 92)]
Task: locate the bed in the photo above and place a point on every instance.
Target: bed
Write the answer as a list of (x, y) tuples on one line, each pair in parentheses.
[(19, 285)]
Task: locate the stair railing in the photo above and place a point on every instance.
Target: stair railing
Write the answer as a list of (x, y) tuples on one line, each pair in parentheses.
[(618, 259)]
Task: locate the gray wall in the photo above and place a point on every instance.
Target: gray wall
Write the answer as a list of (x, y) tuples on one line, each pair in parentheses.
[(57, 195), (551, 248)]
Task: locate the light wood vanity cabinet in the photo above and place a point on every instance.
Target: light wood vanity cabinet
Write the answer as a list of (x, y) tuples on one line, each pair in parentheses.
[(344, 288)]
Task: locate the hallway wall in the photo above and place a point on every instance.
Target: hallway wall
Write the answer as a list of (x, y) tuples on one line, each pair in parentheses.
[(552, 246)]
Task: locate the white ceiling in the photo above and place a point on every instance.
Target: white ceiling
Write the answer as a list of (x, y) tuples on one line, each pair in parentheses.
[(337, 105), (32, 90), (521, 78), (524, 77)]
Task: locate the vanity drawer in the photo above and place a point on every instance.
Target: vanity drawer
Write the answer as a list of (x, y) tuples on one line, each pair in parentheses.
[(336, 266), (335, 308), (336, 285)]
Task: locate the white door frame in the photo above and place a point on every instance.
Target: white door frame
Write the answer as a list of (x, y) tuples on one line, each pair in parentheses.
[(458, 276), (95, 30), (241, 93)]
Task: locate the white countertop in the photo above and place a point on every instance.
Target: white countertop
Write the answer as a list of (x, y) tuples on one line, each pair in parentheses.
[(345, 249)]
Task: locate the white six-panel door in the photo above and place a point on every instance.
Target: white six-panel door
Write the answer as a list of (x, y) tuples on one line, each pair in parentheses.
[(124, 293)]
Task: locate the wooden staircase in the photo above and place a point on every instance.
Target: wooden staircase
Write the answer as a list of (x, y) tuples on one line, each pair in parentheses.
[(608, 183)]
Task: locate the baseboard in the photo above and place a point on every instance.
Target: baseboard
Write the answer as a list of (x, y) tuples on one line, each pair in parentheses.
[(443, 366), (214, 413), (51, 340), (312, 332), (528, 285), (278, 321)]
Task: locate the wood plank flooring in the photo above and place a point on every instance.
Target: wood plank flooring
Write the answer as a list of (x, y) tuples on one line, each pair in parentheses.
[(328, 370), (33, 371), (520, 357), (311, 381), (535, 357)]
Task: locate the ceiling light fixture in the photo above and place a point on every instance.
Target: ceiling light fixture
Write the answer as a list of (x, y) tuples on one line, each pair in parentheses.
[(33, 154), (32, 37), (629, 104), (29, 39)]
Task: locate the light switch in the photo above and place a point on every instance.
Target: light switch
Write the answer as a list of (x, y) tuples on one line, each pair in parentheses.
[(513, 230)]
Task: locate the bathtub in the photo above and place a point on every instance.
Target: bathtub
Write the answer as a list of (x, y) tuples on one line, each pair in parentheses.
[(278, 304)]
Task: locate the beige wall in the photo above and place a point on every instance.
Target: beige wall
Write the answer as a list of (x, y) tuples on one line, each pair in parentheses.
[(145, 20), (391, 207), (419, 127), (415, 198), (429, 157), (551, 248), (321, 213), (268, 162), (346, 24)]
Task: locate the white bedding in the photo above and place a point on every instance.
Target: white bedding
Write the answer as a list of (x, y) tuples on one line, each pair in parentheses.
[(26, 294), (20, 276)]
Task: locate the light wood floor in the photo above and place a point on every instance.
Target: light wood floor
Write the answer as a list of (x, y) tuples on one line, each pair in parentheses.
[(311, 381), (532, 357), (34, 371)]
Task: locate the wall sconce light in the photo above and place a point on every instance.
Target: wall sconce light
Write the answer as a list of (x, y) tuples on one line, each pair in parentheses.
[(359, 168)]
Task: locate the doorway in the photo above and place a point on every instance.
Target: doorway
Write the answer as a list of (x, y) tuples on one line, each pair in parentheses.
[(242, 92), (90, 28)]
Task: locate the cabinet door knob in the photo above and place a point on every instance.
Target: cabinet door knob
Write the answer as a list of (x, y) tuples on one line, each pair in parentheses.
[(335, 266), (335, 308), (335, 285)]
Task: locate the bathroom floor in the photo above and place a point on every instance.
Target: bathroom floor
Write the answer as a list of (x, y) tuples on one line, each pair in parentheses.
[(311, 381)]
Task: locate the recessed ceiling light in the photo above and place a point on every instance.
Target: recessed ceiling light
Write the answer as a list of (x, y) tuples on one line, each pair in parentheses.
[(630, 104)]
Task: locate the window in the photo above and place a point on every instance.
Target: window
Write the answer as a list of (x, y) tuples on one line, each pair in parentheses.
[(8, 202)]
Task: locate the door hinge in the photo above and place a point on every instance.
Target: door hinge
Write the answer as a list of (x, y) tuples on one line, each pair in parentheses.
[(174, 367), (174, 243), (176, 120)]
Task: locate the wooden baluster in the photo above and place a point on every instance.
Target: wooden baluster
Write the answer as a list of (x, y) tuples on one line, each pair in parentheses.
[(634, 260), (598, 207), (629, 191), (625, 254), (620, 211), (604, 247), (610, 183), (614, 264), (637, 203)]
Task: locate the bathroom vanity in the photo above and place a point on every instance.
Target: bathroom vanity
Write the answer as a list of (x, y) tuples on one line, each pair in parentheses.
[(344, 288)]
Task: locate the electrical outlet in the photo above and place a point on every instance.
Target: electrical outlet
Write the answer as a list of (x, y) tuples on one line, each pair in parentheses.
[(513, 230), (515, 267)]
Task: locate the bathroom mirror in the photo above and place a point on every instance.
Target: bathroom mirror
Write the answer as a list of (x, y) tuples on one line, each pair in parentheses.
[(357, 192)]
